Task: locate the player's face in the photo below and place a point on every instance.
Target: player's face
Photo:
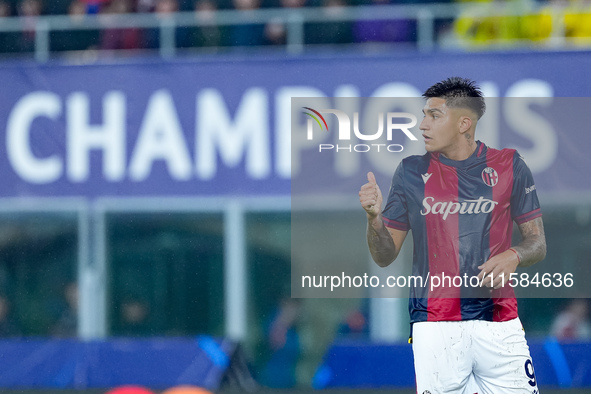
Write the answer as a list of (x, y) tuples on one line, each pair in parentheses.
[(440, 127)]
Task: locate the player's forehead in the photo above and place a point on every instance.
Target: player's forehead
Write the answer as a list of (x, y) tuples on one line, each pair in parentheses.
[(435, 104)]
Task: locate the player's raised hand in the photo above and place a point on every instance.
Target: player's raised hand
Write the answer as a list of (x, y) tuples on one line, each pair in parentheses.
[(370, 196)]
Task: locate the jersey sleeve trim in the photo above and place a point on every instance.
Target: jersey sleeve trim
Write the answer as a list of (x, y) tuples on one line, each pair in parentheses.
[(395, 224), (526, 217)]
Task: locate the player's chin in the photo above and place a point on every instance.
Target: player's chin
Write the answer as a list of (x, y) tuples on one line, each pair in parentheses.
[(429, 147)]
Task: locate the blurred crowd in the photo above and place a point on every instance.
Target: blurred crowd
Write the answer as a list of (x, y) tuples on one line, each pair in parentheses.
[(206, 35), (474, 27), (556, 22)]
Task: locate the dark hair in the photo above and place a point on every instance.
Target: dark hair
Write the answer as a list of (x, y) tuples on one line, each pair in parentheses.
[(458, 93)]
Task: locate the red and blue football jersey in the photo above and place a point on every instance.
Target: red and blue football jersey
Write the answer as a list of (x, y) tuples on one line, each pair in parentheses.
[(461, 214)]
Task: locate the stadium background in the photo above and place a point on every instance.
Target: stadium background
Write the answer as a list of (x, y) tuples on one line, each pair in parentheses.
[(146, 170)]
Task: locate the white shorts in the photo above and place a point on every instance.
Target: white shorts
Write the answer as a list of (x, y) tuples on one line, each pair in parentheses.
[(472, 356)]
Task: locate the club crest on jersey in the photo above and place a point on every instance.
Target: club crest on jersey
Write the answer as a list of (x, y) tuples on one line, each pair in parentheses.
[(490, 176)]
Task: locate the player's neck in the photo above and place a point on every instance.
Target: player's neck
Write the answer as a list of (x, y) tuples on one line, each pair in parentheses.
[(461, 151)]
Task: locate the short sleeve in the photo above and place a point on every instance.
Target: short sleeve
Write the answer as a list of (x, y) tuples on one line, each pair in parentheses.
[(395, 213), (525, 205)]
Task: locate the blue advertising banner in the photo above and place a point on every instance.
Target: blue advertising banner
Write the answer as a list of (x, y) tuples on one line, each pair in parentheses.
[(223, 126), (153, 362), (391, 365)]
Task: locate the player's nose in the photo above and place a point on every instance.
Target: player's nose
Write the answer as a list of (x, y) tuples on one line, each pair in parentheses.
[(424, 124)]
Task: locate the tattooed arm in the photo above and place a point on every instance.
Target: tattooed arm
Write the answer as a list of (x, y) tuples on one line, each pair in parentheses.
[(384, 243), (532, 247), (529, 251)]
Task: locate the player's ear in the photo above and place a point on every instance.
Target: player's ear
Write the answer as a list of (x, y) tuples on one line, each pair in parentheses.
[(465, 124)]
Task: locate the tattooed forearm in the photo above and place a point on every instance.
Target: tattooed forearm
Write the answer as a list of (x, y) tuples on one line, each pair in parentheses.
[(532, 248), (381, 246)]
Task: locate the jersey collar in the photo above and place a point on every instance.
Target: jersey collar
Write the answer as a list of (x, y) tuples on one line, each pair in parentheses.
[(479, 152)]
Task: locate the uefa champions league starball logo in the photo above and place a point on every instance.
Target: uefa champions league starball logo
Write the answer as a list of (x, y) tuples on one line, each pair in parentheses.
[(490, 176)]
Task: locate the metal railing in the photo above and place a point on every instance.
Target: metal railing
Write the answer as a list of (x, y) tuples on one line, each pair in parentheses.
[(294, 20)]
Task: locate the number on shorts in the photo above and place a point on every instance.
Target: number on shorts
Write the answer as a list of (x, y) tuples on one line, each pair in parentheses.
[(529, 371)]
